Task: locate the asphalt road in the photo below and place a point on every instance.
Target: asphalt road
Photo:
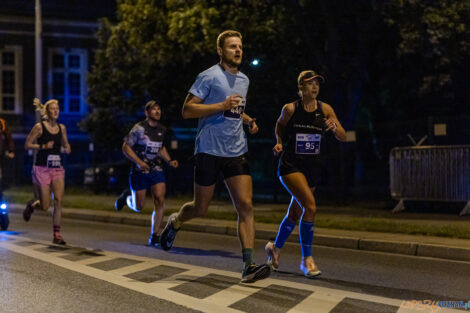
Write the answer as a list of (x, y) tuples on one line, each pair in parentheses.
[(109, 268)]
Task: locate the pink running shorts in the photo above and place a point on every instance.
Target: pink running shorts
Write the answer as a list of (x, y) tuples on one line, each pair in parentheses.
[(43, 175)]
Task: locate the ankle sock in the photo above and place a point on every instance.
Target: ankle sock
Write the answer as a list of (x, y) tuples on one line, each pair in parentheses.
[(56, 229), (247, 254)]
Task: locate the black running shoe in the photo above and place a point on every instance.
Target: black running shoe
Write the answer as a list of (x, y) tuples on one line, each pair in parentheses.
[(121, 201), (169, 233), (154, 240), (28, 210), (58, 240), (255, 272)]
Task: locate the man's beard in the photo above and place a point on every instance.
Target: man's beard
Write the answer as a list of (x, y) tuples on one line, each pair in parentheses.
[(230, 62)]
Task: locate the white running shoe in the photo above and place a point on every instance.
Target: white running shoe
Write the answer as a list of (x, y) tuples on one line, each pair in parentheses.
[(308, 267), (273, 255)]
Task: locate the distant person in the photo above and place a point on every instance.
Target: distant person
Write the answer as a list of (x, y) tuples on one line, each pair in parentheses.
[(301, 127), (48, 138), (144, 146), (218, 98), (7, 149)]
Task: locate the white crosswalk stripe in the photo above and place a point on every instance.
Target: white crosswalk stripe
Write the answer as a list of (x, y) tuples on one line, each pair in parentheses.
[(223, 294)]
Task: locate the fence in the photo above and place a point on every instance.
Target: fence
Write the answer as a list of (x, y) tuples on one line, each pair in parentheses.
[(430, 173)]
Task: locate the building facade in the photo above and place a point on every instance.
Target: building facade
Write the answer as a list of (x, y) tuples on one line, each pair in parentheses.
[(68, 43)]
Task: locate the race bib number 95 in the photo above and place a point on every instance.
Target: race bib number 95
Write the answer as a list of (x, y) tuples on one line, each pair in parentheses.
[(53, 161), (307, 143)]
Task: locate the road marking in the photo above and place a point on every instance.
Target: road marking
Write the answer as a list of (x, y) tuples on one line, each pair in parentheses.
[(126, 270), (201, 288), (323, 302), (96, 259)]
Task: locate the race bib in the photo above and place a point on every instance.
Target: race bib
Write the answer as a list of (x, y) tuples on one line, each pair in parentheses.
[(238, 111), (152, 148), (53, 161), (307, 143)]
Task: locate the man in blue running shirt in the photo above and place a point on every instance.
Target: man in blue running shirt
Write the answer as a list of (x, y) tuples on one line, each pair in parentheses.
[(218, 98)]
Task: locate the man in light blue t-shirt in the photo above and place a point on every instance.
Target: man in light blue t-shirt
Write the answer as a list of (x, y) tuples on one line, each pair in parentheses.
[(218, 98)]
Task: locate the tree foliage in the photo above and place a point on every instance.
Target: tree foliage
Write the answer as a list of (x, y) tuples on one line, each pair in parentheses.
[(382, 59), (434, 46), (155, 50)]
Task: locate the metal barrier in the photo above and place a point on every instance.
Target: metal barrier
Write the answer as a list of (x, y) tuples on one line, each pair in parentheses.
[(430, 173)]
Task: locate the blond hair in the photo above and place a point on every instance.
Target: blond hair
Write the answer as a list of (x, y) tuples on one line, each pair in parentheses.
[(225, 34), (43, 107)]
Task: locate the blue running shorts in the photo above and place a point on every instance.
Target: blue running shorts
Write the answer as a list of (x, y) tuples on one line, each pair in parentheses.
[(141, 181)]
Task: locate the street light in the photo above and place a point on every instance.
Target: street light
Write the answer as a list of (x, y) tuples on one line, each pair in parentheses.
[(255, 62)]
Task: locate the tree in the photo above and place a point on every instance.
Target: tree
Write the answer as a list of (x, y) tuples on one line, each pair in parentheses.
[(434, 47), (155, 50)]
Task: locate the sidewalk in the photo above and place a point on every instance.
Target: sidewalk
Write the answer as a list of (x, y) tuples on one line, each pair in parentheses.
[(413, 245)]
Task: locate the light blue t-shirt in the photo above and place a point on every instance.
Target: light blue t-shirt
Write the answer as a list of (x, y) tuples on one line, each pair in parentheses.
[(221, 134)]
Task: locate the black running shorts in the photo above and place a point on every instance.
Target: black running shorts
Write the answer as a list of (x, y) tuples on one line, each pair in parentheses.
[(207, 168), (311, 169)]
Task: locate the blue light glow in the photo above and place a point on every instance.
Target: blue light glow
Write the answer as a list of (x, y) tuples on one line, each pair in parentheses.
[(3, 206), (255, 62)]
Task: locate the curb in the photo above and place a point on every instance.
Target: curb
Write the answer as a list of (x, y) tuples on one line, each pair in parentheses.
[(355, 243)]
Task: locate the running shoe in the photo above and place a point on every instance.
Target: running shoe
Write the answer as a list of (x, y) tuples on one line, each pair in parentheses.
[(58, 240), (169, 233), (309, 263), (255, 272), (28, 210), (154, 240), (273, 255), (121, 201)]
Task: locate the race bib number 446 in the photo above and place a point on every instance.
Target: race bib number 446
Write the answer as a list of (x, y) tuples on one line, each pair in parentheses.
[(307, 143), (53, 161), (236, 112)]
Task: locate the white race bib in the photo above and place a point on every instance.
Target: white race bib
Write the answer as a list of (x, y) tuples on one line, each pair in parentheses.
[(237, 112), (152, 148), (307, 143), (53, 161)]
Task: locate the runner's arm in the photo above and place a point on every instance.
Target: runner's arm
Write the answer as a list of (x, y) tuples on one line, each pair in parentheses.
[(167, 158), (131, 155), (333, 124), (194, 107), (284, 117), (251, 122), (279, 131), (65, 140), (9, 143), (33, 135)]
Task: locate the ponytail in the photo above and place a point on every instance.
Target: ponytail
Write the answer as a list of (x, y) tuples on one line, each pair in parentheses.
[(43, 107)]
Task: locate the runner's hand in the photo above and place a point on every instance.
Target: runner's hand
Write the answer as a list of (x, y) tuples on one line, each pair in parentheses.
[(277, 149), (173, 163), (231, 102), (144, 167), (330, 124), (10, 155), (49, 145), (252, 127)]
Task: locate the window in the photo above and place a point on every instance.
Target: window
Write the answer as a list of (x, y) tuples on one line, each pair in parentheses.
[(67, 79), (10, 82)]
